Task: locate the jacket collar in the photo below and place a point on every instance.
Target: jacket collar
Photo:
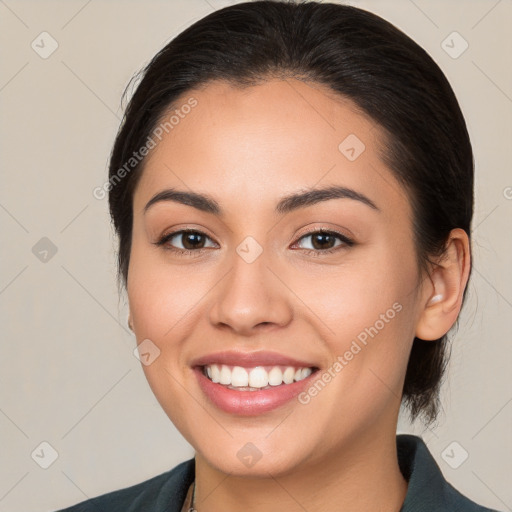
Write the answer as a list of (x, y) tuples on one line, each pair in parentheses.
[(427, 491)]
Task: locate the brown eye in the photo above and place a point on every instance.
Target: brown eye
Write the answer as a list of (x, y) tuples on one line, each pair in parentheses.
[(325, 241), (192, 240), (186, 240)]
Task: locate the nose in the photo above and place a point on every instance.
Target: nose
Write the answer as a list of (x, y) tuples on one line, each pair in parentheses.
[(251, 299)]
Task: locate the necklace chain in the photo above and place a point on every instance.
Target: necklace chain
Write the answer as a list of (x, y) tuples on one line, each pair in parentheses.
[(192, 509)]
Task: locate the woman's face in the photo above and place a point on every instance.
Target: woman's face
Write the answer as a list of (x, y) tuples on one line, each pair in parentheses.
[(256, 276)]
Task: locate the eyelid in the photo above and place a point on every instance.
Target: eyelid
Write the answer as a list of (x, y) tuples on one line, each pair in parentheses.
[(166, 236), (346, 240)]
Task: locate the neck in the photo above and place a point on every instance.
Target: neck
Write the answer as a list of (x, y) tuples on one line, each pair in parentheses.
[(362, 475)]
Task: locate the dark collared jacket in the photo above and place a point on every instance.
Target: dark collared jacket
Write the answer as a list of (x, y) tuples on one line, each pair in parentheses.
[(428, 491)]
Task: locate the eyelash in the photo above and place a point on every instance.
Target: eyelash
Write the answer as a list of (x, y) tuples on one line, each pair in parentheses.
[(347, 242)]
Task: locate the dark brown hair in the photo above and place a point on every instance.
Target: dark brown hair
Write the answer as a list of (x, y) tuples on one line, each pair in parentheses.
[(361, 57)]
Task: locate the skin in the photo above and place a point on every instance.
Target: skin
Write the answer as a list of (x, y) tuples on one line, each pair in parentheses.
[(247, 148)]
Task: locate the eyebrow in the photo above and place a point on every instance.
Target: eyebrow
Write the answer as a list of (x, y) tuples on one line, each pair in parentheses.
[(286, 204)]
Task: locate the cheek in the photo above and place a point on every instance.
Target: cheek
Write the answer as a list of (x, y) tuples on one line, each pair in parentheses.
[(367, 318), (161, 301), (166, 302), (162, 296), (352, 297)]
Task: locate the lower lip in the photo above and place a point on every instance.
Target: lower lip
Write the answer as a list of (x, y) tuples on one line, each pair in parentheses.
[(249, 403)]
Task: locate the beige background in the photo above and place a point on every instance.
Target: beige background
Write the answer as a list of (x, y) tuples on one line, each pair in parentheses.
[(67, 370)]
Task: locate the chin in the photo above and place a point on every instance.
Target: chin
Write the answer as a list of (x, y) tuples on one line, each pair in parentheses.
[(250, 461)]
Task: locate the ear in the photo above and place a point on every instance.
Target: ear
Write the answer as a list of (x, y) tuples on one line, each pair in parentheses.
[(442, 299), (130, 326)]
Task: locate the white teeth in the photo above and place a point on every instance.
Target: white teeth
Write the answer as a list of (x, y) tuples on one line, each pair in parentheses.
[(288, 375), (256, 378), (306, 372), (275, 376), (239, 377), (225, 375), (215, 372)]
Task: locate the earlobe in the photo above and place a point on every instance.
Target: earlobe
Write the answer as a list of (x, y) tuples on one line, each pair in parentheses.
[(130, 326), (448, 282)]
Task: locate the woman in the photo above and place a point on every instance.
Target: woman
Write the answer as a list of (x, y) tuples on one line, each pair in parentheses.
[(292, 187)]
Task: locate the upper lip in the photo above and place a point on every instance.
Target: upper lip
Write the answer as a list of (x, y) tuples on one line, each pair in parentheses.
[(250, 359)]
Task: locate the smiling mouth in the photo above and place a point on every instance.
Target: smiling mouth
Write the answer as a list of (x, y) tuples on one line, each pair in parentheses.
[(257, 378)]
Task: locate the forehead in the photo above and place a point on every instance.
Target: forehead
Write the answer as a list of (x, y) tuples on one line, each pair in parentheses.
[(268, 140)]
